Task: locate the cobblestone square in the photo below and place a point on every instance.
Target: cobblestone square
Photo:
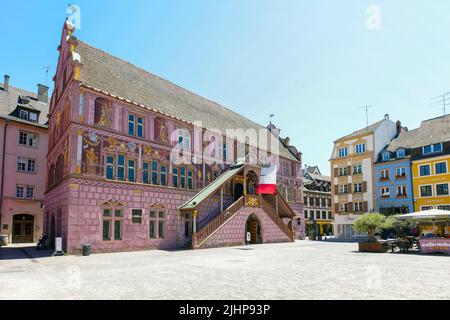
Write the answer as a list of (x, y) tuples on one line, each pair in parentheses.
[(300, 270)]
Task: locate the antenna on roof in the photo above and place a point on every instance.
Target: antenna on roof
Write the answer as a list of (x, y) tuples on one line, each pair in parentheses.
[(46, 68), (271, 116), (442, 100), (367, 113)]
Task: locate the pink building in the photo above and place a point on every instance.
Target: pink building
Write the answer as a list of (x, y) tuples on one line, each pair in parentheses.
[(23, 145), (112, 178)]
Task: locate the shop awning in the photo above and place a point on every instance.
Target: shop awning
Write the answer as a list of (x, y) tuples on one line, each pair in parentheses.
[(432, 214)]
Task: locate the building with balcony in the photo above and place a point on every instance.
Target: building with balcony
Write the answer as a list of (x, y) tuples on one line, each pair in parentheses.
[(23, 146)]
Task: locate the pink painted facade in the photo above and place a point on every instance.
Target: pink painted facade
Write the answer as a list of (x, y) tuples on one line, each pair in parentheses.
[(233, 232), (24, 146), (115, 187)]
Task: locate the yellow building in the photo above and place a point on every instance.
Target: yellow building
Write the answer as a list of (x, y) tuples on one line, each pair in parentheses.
[(431, 180)]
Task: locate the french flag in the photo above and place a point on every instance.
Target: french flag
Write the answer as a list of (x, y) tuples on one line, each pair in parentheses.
[(268, 180)]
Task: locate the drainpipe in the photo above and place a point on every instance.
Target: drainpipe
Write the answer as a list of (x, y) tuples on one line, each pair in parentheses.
[(3, 171)]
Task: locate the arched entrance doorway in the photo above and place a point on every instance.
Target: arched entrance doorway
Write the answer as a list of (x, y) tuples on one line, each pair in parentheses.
[(238, 190), (23, 228), (254, 227)]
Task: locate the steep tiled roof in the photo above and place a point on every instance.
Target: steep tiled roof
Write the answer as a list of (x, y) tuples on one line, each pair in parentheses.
[(105, 72), (430, 131), (368, 129), (9, 100)]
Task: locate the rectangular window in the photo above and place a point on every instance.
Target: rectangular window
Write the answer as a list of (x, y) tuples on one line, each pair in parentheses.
[(183, 177), (163, 175), (442, 189), (30, 192), (154, 172), (28, 139), (225, 152), (175, 177), (426, 208), (136, 216), (444, 207), (23, 114), (343, 189), (161, 224), (140, 127), (440, 167), (33, 117), (152, 229), (106, 230), (424, 170), (190, 179), (31, 165), (360, 148), (432, 148), (121, 167), (21, 164), (386, 156), (400, 172), (20, 191), (385, 192), (400, 153), (357, 187), (401, 191), (343, 171), (358, 207), (131, 171), (131, 119), (145, 173), (384, 174), (117, 230), (110, 167), (426, 191), (187, 140), (343, 152), (343, 207), (357, 169)]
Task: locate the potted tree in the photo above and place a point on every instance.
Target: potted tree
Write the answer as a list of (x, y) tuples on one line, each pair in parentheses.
[(372, 223)]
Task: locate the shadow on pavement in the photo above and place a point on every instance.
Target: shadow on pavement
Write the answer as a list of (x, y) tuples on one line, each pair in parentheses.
[(23, 252)]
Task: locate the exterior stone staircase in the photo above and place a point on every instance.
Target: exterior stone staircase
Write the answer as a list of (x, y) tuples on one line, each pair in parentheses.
[(199, 238)]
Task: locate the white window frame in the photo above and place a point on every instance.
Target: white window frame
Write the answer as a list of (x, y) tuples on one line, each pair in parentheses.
[(425, 165), (385, 192), (426, 185), (440, 162), (360, 148), (343, 152), (442, 195), (402, 155)]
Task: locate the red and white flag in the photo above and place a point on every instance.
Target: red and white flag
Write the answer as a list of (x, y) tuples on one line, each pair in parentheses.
[(268, 180)]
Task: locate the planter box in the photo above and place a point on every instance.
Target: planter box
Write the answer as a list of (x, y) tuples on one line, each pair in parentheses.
[(371, 247)]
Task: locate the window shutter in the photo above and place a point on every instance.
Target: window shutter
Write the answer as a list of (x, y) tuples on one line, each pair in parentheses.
[(336, 207), (350, 207), (364, 186), (336, 172), (336, 189), (349, 188), (365, 207), (349, 170)]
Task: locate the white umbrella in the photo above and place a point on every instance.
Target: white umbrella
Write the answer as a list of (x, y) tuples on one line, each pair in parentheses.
[(426, 215)]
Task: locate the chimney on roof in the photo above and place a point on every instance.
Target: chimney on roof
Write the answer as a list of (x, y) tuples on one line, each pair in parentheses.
[(287, 140), (42, 93), (6, 83), (399, 127)]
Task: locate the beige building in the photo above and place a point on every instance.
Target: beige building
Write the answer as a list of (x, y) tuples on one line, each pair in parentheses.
[(352, 174)]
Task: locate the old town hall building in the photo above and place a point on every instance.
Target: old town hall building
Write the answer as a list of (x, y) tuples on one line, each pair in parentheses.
[(112, 181)]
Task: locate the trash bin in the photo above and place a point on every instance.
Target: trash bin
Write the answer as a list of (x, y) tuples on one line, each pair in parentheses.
[(3, 240), (86, 249)]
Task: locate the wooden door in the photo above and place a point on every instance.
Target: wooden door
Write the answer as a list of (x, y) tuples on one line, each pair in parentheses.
[(23, 228)]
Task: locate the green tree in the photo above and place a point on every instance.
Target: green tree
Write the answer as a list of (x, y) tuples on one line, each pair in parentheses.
[(372, 223)]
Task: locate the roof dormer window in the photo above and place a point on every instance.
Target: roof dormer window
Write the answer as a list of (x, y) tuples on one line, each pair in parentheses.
[(400, 153), (386, 156), (23, 114)]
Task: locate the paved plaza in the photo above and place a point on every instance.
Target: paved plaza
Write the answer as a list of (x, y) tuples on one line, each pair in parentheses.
[(300, 270)]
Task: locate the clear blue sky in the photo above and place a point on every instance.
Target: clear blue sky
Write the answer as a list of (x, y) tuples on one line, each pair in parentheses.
[(311, 63)]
